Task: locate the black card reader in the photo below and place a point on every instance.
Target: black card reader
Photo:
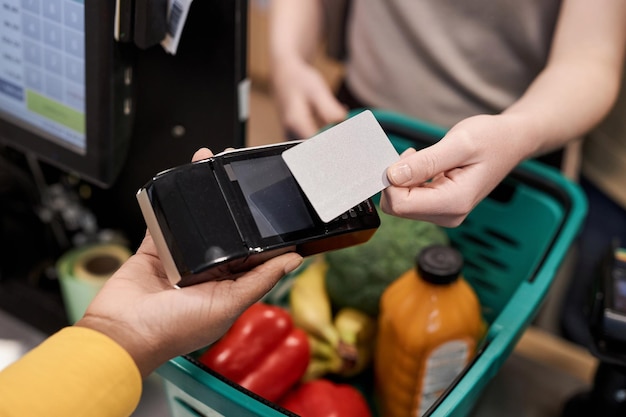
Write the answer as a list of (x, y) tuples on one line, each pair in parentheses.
[(216, 218)]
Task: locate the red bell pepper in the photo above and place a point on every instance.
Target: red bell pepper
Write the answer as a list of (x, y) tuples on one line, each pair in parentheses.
[(262, 351), (323, 398)]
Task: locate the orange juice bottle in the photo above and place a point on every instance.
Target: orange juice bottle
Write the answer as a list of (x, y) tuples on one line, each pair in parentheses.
[(429, 326)]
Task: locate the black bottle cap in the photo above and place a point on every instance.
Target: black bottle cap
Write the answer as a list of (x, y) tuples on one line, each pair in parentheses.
[(439, 264)]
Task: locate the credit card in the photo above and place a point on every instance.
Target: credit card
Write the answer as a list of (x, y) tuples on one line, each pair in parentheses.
[(342, 166)]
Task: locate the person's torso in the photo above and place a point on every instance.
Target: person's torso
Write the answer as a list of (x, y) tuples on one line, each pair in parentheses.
[(444, 60)]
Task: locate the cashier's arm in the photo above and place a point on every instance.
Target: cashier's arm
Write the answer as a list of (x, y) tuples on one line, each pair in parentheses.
[(569, 97)]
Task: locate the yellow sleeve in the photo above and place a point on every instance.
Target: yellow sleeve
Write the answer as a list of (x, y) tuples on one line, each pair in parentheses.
[(75, 372)]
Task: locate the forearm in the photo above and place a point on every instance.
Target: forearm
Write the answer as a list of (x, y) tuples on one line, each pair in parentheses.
[(564, 103), (581, 80), (295, 29)]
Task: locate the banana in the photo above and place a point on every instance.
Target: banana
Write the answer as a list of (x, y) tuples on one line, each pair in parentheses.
[(357, 335), (310, 305), (324, 359), (342, 345), (354, 326), (321, 349), (319, 367)]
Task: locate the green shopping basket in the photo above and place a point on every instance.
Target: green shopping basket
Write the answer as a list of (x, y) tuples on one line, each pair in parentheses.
[(513, 243)]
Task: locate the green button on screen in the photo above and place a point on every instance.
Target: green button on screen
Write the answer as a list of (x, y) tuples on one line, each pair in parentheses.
[(55, 111)]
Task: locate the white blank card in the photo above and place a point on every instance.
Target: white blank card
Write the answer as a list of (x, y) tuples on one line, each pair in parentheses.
[(342, 166)]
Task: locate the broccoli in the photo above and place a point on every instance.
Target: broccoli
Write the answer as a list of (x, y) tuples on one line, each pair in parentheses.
[(358, 275)]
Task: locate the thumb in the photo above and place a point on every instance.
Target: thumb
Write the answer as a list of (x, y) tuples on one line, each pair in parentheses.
[(415, 168), (255, 283)]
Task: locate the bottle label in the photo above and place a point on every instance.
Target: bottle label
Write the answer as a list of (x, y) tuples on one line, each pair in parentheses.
[(444, 364)]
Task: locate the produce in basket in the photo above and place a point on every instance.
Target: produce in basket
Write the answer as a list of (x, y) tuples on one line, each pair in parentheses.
[(262, 351), (309, 303), (357, 336), (323, 398), (358, 275), (341, 345), (353, 353)]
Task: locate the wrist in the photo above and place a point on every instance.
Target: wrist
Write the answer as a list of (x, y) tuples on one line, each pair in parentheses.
[(525, 136), (286, 63), (535, 134), (131, 341)]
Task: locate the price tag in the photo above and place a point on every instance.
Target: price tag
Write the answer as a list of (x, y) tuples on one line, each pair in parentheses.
[(177, 11)]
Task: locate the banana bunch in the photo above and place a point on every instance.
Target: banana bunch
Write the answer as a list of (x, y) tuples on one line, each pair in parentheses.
[(341, 345)]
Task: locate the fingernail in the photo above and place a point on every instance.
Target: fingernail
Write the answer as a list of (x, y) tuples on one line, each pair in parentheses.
[(400, 174)]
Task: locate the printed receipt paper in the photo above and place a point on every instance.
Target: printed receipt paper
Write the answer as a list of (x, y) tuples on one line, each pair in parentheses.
[(342, 166)]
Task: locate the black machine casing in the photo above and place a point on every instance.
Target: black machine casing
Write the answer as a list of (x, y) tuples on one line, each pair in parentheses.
[(218, 217), (608, 309)]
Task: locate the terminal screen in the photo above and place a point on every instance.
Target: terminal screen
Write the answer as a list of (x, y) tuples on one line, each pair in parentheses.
[(273, 196)]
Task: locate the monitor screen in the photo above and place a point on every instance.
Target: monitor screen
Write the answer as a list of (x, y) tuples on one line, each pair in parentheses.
[(65, 91), (42, 70)]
